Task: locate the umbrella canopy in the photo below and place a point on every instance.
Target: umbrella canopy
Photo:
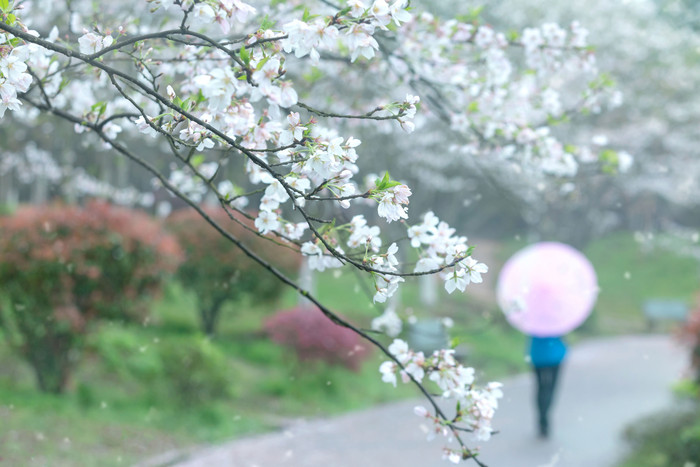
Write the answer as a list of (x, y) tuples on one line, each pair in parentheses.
[(547, 289)]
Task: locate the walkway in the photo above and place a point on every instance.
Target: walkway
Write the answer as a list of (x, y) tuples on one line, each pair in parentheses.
[(606, 384)]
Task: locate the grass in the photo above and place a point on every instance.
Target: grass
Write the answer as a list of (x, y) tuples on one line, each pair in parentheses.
[(39, 429), (628, 275), (119, 414), (666, 439)]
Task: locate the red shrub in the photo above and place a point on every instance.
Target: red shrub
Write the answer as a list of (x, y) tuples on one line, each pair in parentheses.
[(315, 337), (63, 266)]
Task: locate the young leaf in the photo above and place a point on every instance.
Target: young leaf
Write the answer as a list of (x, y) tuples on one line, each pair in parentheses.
[(197, 160), (307, 15), (267, 23), (245, 56)]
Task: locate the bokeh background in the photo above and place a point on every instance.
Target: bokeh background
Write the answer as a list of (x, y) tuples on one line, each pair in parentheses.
[(180, 341)]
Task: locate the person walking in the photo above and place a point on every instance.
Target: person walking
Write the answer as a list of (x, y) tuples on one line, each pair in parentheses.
[(546, 356)]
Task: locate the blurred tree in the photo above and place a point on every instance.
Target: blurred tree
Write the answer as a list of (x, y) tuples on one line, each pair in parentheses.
[(217, 271), (652, 52)]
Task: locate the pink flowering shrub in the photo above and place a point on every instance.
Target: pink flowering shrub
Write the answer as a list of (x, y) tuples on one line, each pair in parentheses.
[(314, 337), (61, 267)]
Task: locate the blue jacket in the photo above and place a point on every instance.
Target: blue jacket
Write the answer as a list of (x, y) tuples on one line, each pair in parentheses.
[(546, 351)]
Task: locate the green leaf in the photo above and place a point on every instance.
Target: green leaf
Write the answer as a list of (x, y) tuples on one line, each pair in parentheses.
[(471, 16), (307, 15), (245, 56), (262, 62), (99, 107), (267, 23), (313, 75), (609, 156), (5, 6), (325, 228), (382, 184), (186, 104), (473, 107), (197, 160), (610, 161)]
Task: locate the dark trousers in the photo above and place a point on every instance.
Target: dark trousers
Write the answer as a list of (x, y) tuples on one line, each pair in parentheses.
[(546, 377)]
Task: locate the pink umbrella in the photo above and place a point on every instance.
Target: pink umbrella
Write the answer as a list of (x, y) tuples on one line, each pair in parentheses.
[(547, 289)]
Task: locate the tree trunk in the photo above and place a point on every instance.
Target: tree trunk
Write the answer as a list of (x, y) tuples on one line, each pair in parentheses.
[(40, 190), (8, 192), (50, 362), (68, 189), (209, 317)]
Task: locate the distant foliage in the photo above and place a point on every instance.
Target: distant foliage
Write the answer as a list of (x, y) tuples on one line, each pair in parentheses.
[(189, 370), (196, 370), (666, 439), (314, 337), (62, 267), (218, 271), (128, 355)]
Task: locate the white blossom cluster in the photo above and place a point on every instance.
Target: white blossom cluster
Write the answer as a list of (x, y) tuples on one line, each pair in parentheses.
[(31, 164), (13, 72), (498, 106), (388, 322), (442, 249), (35, 165), (307, 38), (475, 407), (225, 13)]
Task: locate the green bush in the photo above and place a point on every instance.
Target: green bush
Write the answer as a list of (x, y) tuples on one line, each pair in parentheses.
[(669, 439), (195, 370), (188, 370), (128, 355)]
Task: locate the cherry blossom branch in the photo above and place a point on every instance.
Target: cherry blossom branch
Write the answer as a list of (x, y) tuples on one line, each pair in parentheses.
[(368, 116), (251, 254), (112, 73)]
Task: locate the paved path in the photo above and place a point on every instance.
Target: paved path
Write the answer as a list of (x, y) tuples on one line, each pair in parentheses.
[(605, 385)]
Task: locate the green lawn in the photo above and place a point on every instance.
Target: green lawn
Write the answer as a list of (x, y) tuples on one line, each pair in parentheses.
[(628, 276)]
